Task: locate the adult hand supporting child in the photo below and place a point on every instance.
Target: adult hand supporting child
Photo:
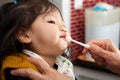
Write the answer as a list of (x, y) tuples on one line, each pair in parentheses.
[(45, 73)]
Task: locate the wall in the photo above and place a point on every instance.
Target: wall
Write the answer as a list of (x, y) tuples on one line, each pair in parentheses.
[(77, 23)]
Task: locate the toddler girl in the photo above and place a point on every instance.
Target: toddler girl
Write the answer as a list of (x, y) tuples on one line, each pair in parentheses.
[(30, 28)]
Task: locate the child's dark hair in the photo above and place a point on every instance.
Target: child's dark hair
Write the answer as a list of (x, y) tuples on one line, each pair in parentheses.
[(14, 17)]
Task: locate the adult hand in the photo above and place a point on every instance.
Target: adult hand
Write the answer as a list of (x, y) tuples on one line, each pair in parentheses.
[(105, 53), (45, 73)]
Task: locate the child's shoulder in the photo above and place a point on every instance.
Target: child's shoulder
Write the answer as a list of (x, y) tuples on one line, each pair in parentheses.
[(18, 57), (17, 61), (14, 61)]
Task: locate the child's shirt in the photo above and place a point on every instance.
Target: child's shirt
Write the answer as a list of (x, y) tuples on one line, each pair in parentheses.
[(14, 61)]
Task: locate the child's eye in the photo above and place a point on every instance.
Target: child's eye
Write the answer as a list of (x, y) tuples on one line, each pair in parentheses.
[(52, 22)]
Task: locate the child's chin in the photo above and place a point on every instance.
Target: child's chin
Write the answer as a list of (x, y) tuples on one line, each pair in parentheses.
[(64, 48)]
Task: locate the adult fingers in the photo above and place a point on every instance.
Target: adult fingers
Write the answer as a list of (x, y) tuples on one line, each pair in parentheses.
[(98, 60), (84, 51), (40, 63), (110, 45), (27, 72), (99, 51), (97, 42)]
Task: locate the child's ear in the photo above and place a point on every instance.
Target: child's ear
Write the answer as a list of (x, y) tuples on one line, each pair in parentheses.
[(24, 36)]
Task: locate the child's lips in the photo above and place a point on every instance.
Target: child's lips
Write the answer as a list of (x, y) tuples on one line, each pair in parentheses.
[(63, 36)]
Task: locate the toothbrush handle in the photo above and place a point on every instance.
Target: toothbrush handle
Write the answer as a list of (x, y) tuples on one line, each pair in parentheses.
[(82, 44)]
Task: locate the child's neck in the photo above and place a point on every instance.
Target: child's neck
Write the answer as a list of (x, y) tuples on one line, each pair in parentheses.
[(49, 60)]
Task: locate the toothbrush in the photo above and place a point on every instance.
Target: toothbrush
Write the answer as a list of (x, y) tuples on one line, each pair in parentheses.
[(68, 38)]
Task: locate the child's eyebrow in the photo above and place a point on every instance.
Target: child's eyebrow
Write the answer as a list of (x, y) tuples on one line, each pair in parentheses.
[(51, 17)]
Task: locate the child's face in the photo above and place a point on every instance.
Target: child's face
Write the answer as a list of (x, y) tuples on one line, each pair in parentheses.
[(48, 34)]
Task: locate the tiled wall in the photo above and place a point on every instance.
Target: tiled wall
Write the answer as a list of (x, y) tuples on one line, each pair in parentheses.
[(77, 23)]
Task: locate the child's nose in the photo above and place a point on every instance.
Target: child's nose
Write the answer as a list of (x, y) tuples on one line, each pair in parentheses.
[(62, 28)]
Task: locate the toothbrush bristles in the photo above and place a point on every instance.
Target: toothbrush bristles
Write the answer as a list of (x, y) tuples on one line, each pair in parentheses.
[(68, 38)]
